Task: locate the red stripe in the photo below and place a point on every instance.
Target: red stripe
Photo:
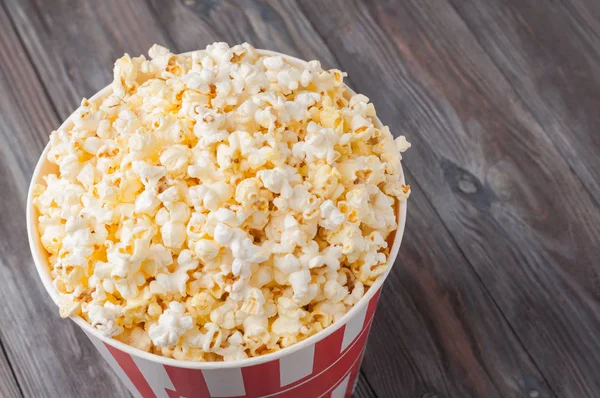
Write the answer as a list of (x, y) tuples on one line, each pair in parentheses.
[(372, 306), (328, 350), (172, 394), (354, 375), (131, 370), (261, 379), (356, 368), (326, 381), (188, 383)]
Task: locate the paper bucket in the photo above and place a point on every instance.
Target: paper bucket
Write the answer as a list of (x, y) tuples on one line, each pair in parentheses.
[(324, 365)]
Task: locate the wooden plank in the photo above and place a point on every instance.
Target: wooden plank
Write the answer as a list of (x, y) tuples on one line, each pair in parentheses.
[(9, 388), (419, 326), (97, 34), (435, 311), (293, 32), (126, 27), (436, 368), (520, 216), (271, 25), (48, 355), (478, 353), (551, 57), (363, 389)]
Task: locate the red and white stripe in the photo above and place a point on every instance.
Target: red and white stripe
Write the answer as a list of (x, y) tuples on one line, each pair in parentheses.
[(327, 368)]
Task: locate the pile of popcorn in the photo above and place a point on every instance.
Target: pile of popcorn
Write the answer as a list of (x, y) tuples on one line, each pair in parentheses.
[(219, 205)]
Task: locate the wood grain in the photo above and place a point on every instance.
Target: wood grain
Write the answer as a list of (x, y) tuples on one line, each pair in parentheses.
[(551, 57), (453, 378), (271, 25), (97, 34), (50, 358), (495, 292), (518, 213), (123, 27), (363, 389), (435, 311), (9, 387)]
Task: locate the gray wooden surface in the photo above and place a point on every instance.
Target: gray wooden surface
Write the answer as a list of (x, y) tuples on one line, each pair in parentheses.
[(496, 292)]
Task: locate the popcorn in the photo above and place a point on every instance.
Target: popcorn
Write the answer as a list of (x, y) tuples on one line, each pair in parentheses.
[(357, 293), (318, 145), (201, 304), (243, 250), (175, 159), (219, 205), (149, 175), (175, 282), (402, 144), (206, 249), (171, 325), (147, 203), (287, 264), (329, 311), (335, 291), (173, 234), (331, 216), (140, 339), (255, 326), (104, 318), (291, 236), (224, 315), (262, 276), (210, 196), (299, 281), (158, 258), (254, 302), (207, 341), (289, 321), (279, 180), (286, 326), (326, 181), (329, 257), (247, 193)]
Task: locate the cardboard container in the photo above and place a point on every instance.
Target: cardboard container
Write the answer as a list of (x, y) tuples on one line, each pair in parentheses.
[(324, 365)]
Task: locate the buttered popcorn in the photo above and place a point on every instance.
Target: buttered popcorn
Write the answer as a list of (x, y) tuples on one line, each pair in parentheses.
[(219, 205)]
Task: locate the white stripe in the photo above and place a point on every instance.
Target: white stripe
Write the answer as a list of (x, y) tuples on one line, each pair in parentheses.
[(296, 366), (114, 365), (345, 374), (353, 327), (340, 390), (224, 382), (314, 376), (156, 376)]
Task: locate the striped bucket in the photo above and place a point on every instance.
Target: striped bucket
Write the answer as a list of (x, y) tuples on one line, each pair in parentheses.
[(324, 365), (324, 368)]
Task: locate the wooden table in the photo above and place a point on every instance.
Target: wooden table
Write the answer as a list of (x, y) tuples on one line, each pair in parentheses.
[(496, 290)]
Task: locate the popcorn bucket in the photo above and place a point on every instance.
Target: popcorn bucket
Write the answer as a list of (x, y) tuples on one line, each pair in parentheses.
[(324, 365)]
